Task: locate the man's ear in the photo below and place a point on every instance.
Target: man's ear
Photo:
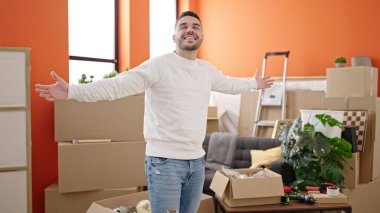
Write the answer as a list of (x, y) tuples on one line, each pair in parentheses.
[(173, 37)]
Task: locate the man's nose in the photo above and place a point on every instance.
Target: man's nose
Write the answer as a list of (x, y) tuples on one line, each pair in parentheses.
[(190, 31)]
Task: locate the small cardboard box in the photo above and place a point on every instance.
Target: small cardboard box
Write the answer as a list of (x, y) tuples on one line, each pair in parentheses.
[(119, 120), (212, 125), (78, 202), (248, 192), (106, 205), (324, 198), (92, 166), (358, 81)]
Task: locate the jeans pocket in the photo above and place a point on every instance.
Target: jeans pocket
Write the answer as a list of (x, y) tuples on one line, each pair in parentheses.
[(155, 161)]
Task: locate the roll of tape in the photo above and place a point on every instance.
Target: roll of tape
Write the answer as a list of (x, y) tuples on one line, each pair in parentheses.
[(332, 191)]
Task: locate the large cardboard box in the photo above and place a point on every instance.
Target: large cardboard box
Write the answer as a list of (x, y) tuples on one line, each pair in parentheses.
[(248, 192), (119, 120), (106, 205), (376, 144), (365, 197), (350, 103), (303, 99), (358, 81), (92, 166), (78, 202), (248, 104)]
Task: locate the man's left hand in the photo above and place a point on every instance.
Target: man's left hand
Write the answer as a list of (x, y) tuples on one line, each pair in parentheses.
[(263, 83)]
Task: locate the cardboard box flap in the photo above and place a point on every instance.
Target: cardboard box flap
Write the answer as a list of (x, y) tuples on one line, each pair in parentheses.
[(261, 187), (219, 183), (96, 208), (106, 205)]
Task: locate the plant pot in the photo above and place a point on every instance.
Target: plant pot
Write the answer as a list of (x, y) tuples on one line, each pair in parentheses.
[(340, 64)]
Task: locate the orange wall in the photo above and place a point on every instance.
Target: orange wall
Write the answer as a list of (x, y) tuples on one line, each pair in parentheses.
[(43, 26), (239, 32)]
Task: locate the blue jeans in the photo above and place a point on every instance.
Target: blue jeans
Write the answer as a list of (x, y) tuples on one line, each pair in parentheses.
[(174, 184)]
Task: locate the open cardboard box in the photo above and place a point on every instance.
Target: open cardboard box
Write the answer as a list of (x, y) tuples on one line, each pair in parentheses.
[(78, 202), (93, 166), (106, 205), (248, 192)]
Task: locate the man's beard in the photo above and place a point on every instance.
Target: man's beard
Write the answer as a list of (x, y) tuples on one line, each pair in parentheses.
[(193, 47)]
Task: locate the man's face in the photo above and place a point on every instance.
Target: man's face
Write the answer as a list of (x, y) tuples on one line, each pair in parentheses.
[(188, 33)]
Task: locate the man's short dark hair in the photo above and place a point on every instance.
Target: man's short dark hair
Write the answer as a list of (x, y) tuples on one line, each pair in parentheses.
[(187, 13)]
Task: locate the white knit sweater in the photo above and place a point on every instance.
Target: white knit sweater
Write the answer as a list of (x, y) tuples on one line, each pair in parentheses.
[(177, 92)]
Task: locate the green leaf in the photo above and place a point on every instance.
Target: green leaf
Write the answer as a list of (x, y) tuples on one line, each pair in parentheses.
[(324, 118)]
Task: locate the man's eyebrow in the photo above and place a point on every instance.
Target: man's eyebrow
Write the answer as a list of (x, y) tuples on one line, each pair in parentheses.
[(196, 24)]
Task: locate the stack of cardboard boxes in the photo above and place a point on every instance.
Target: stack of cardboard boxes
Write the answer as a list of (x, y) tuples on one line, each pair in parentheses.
[(106, 160), (94, 171)]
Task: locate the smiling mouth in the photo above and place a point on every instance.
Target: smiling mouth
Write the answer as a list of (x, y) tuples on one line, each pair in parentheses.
[(190, 37)]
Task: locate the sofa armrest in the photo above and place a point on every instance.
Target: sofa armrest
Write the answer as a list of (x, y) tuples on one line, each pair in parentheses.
[(285, 170)]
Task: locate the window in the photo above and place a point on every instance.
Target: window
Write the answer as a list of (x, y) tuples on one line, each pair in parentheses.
[(92, 38), (162, 20)]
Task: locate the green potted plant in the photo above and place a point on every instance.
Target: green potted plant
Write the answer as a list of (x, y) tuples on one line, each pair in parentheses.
[(84, 80), (340, 61), (314, 157), (111, 74)]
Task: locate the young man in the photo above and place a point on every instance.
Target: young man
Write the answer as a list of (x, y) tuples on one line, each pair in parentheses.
[(177, 90)]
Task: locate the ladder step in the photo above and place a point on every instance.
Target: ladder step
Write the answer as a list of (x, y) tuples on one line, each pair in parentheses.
[(265, 123)]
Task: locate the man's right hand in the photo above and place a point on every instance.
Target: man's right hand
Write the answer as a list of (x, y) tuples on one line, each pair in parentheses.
[(57, 91)]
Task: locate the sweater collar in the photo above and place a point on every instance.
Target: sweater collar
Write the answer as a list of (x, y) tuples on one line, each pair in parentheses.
[(184, 60)]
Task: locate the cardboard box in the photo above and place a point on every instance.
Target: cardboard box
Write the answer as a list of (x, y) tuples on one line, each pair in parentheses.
[(119, 120), (351, 176), (303, 99), (350, 103), (78, 202), (376, 144), (366, 156), (358, 81), (212, 125), (365, 197), (248, 104), (92, 166), (324, 198), (248, 192), (106, 205), (212, 111)]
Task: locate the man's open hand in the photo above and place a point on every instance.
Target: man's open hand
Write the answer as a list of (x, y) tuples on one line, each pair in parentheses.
[(57, 91), (263, 83)]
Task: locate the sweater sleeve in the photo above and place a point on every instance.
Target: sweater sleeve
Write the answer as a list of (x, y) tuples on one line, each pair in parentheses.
[(131, 82), (229, 85)]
